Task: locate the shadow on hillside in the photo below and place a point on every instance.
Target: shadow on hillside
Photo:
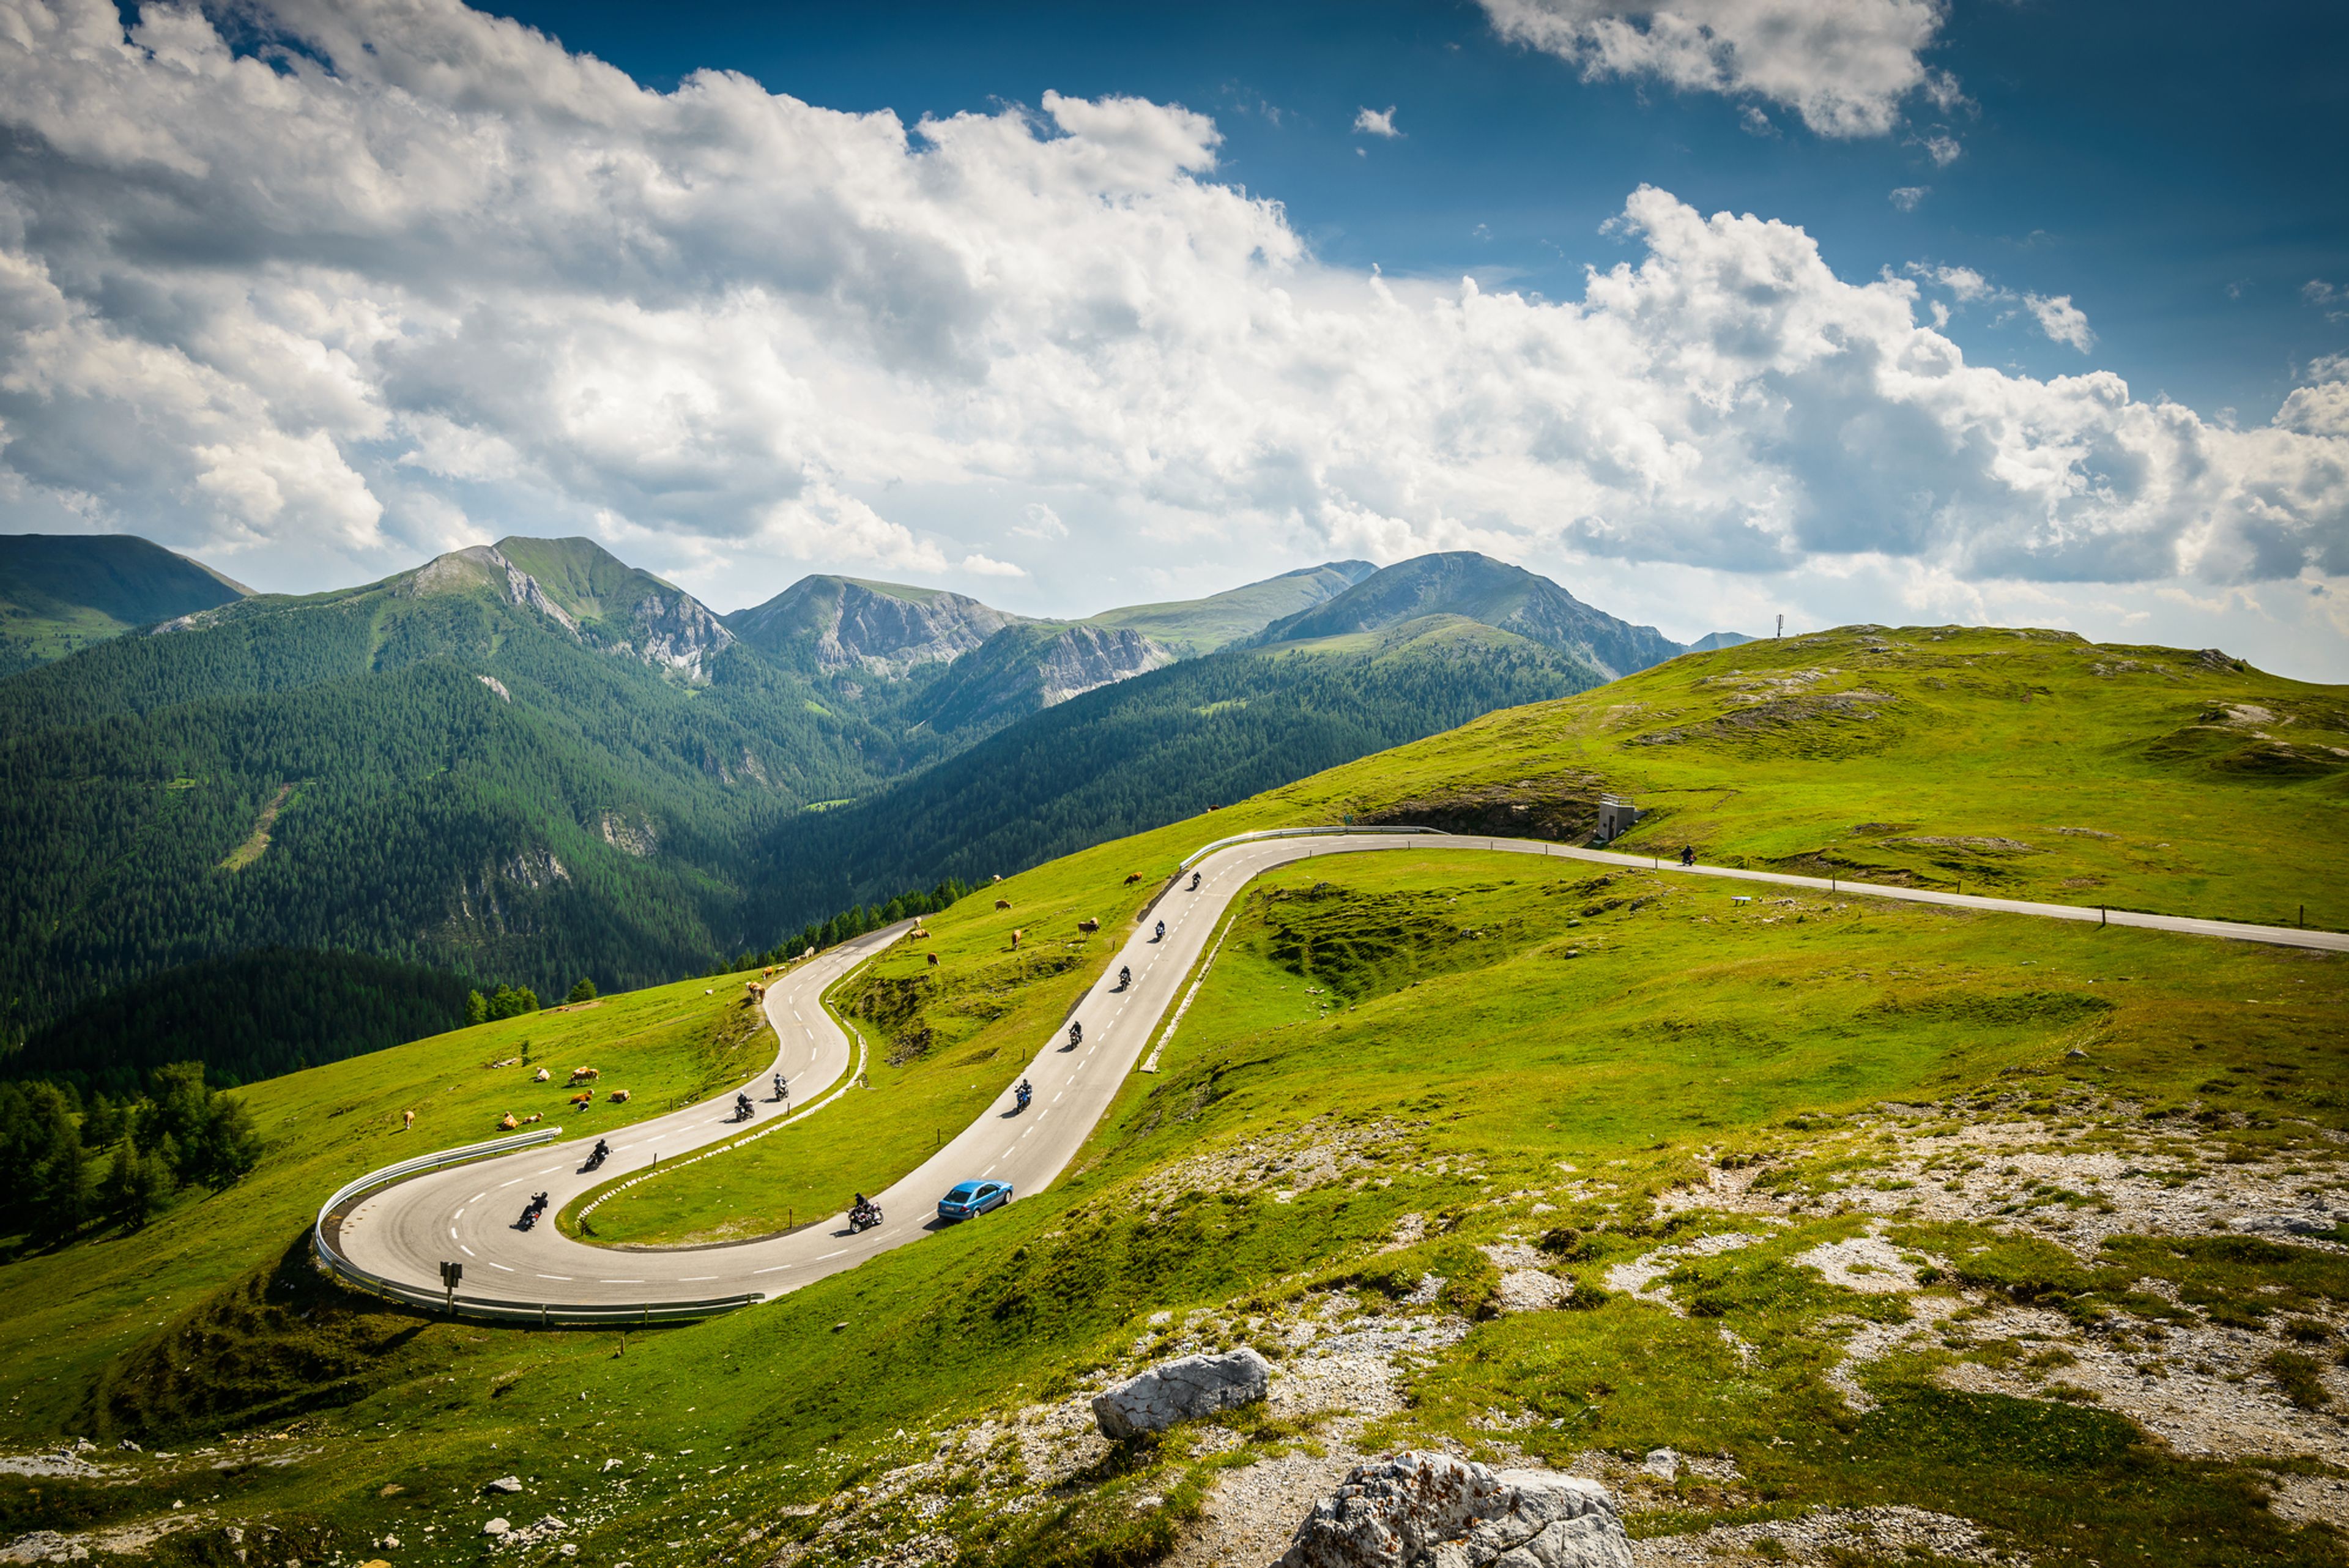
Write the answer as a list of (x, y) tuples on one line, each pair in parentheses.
[(282, 1341)]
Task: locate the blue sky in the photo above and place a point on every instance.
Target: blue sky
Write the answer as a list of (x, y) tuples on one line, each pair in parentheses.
[(2181, 175), (1892, 310)]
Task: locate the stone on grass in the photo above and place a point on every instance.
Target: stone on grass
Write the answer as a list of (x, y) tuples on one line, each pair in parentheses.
[(1422, 1509), (1181, 1391), (497, 1527), (504, 1483)]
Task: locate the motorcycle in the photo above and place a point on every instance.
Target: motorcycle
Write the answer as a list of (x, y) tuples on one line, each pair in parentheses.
[(1160, 935), (601, 1152), (783, 1089), (1194, 882), (1076, 1036), (1125, 976), (743, 1109), (1022, 1095), (864, 1216), (530, 1212)]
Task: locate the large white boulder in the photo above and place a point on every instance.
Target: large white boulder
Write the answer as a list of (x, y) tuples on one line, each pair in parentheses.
[(1181, 1391), (1421, 1510)]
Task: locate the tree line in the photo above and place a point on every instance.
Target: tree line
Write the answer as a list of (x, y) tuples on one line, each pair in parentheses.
[(62, 1179)]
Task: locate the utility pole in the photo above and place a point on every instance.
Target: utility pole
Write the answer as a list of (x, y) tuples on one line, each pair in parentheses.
[(1782, 625)]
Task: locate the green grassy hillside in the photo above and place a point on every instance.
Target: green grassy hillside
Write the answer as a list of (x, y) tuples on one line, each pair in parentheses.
[(61, 592), (68, 1312), (2028, 763), (1194, 627), (1324, 1139), (1477, 588)]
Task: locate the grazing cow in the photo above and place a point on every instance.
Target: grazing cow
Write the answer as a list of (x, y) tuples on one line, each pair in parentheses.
[(1016, 935), (407, 1120), (933, 961), (507, 1122), (541, 1077), (619, 1096), (1089, 924), (808, 954), (1003, 903), (755, 989), (1132, 877), (918, 935), (582, 1101), (581, 1075)]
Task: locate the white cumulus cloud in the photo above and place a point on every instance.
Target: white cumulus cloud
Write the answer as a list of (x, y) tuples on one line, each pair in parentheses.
[(325, 307), (2061, 319), (1907, 197), (1376, 123), (1845, 65)]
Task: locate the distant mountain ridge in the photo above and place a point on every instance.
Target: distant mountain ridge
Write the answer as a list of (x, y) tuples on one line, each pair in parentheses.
[(529, 759), (1479, 588), (1201, 626), (61, 592)]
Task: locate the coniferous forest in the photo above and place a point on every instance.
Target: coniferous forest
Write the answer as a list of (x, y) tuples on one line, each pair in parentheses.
[(282, 831)]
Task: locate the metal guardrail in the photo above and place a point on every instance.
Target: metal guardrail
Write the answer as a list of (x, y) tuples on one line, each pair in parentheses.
[(546, 1314), (1204, 851)]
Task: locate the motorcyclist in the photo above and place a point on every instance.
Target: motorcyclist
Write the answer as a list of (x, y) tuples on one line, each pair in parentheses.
[(1024, 1093), (1688, 853), (1076, 1034), (1194, 882), (603, 1151), (1162, 932), (742, 1108), (1125, 976), (782, 1090)]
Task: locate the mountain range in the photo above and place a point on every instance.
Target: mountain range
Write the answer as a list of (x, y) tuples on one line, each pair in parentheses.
[(530, 761)]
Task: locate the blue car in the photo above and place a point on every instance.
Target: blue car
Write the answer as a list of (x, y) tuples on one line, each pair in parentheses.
[(971, 1198)]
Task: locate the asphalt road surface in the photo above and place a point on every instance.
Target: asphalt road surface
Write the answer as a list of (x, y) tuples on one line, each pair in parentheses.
[(467, 1213)]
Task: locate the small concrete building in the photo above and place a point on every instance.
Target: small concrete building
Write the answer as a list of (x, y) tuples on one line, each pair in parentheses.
[(1615, 816)]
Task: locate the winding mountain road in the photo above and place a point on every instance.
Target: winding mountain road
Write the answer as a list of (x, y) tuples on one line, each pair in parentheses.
[(404, 1231)]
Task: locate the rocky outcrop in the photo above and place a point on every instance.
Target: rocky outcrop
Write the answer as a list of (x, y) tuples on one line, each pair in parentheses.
[(827, 625), (1421, 1510), (1086, 658), (661, 626), (674, 632), (1181, 1391)]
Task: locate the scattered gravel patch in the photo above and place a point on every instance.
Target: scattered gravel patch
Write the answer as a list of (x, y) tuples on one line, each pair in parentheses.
[(2230, 1409), (2310, 1500), (1868, 1264), (1634, 1277), (1834, 1534)]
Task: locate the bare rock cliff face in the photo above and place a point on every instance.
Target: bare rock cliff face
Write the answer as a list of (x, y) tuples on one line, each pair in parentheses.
[(669, 631), (675, 632), (885, 636), (1085, 658)]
